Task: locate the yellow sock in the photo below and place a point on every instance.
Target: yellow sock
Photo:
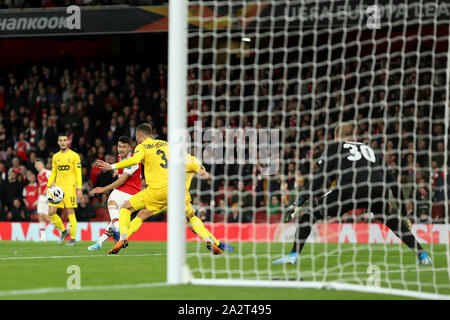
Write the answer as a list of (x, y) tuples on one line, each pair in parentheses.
[(73, 226), (124, 222), (134, 226), (57, 222), (200, 229)]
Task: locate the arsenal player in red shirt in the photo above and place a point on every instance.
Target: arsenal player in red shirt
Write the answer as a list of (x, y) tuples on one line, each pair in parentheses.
[(127, 185), (42, 205)]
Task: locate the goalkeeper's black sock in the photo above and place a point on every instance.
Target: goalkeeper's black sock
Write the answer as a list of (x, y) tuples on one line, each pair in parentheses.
[(303, 230), (402, 231)]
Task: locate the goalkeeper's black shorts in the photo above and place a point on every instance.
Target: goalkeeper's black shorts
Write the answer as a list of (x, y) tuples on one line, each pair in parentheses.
[(341, 200)]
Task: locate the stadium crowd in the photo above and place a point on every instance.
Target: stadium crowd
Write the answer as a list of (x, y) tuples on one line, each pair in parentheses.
[(98, 102)]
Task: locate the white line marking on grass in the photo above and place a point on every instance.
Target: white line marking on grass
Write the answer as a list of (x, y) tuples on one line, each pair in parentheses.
[(81, 256), (88, 288), (97, 256)]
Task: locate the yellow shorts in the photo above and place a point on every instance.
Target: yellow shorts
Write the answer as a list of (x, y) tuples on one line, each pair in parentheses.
[(70, 198), (155, 200)]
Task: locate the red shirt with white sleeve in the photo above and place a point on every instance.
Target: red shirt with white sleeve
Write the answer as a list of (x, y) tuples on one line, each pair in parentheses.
[(31, 194), (43, 180), (133, 183)]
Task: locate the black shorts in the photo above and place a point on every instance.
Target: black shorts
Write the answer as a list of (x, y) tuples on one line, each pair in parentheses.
[(339, 201)]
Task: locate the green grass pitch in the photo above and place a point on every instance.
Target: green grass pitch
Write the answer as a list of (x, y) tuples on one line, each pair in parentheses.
[(38, 270)]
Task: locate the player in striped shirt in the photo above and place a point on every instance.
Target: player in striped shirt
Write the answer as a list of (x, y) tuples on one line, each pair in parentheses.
[(42, 206), (127, 185)]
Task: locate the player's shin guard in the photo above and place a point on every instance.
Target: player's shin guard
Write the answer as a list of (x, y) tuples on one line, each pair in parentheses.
[(105, 235), (134, 226), (114, 215), (402, 230), (73, 226), (124, 222), (57, 222), (42, 234), (201, 230), (304, 226)]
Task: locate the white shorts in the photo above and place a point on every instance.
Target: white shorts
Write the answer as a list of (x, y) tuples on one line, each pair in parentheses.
[(119, 197), (42, 206)]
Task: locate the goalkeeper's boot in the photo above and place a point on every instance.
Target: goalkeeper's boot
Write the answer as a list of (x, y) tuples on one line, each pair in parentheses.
[(291, 258), (113, 233), (63, 237), (95, 246), (424, 258), (225, 247), (211, 246), (119, 245), (72, 242)]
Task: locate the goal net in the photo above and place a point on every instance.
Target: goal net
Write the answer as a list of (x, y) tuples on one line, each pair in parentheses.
[(268, 81)]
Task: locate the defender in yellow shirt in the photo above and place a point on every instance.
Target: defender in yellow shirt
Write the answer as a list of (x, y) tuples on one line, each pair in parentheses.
[(66, 173), (153, 199), (193, 166)]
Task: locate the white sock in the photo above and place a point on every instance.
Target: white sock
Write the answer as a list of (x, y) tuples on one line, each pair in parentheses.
[(42, 234), (114, 215), (104, 236)]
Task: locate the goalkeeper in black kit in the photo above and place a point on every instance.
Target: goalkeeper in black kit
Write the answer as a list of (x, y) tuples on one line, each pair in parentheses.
[(363, 180)]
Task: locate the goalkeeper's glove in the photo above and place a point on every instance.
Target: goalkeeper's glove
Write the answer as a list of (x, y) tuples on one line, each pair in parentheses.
[(407, 223), (291, 210)]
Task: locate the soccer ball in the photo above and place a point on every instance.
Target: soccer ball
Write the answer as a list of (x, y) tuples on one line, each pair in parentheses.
[(55, 195)]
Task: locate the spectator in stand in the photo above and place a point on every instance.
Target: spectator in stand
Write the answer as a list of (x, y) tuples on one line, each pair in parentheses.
[(424, 217), (2, 171), (15, 166), (87, 131), (85, 211), (22, 147), (50, 134), (275, 206), (42, 151), (31, 193), (244, 199), (234, 215), (2, 135), (439, 154), (3, 213), (17, 212), (11, 190), (32, 135), (437, 180), (423, 199)]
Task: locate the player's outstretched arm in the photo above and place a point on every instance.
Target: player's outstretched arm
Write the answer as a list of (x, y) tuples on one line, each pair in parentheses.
[(111, 186), (134, 160), (204, 174)]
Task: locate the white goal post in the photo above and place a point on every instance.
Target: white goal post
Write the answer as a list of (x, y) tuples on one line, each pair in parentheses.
[(260, 86), (177, 90)]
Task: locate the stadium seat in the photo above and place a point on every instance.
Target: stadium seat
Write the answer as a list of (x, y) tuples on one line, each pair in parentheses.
[(219, 217), (437, 211), (101, 215), (260, 217), (275, 218)]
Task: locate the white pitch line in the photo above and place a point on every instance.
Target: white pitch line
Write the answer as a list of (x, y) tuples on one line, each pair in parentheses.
[(88, 288), (97, 256), (82, 256)]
